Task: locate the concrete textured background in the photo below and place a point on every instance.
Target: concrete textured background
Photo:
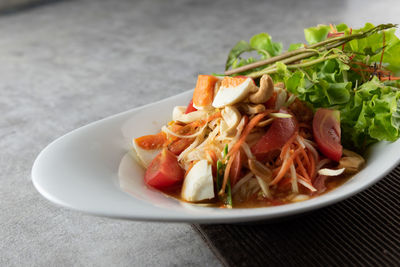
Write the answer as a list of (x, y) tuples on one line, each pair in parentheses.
[(68, 63)]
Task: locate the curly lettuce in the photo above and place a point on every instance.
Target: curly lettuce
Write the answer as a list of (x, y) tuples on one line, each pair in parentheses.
[(369, 107), (261, 43)]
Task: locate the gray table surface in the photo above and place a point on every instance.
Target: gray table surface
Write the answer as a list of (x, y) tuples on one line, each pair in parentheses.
[(68, 63)]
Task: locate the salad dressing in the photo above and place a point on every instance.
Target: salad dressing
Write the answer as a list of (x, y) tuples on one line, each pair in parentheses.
[(257, 201)]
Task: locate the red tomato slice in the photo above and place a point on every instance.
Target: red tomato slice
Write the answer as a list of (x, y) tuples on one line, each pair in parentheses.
[(277, 135), (190, 107), (326, 130), (164, 170), (236, 168), (270, 104)]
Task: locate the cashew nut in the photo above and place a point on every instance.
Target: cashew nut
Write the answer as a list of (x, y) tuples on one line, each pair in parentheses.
[(264, 92), (351, 161)]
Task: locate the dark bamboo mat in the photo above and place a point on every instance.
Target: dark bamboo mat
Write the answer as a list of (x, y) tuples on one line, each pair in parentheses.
[(361, 231)]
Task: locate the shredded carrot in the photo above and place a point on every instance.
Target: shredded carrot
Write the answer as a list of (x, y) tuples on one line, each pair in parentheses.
[(285, 167), (179, 145), (213, 157), (302, 169), (304, 179), (286, 146), (305, 156), (275, 171), (231, 154), (312, 165), (252, 123), (303, 152)]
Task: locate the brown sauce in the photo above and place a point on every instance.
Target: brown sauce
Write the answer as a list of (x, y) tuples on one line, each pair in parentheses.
[(256, 201)]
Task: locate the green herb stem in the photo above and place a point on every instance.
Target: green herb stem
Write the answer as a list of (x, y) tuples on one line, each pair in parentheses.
[(229, 195), (293, 66), (348, 38), (311, 50), (269, 61), (285, 58)]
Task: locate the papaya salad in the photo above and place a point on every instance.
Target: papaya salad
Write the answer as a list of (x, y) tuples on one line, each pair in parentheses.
[(283, 127)]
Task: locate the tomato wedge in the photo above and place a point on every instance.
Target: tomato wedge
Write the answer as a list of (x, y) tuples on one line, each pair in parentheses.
[(326, 130), (237, 166), (190, 107), (270, 104), (278, 134), (164, 170)]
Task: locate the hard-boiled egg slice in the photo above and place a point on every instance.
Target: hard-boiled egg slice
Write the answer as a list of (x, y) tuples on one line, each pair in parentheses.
[(144, 156), (232, 92), (198, 184)]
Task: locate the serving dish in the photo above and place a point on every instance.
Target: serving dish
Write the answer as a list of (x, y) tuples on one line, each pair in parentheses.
[(90, 170)]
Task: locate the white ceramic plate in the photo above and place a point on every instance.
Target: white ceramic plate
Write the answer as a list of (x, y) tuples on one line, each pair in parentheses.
[(88, 170)]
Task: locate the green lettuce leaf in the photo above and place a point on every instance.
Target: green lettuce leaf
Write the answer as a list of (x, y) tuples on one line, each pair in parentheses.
[(261, 43), (374, 44), (316, 34), (236, 51), (369, 108), (295, 46), (371, 115)]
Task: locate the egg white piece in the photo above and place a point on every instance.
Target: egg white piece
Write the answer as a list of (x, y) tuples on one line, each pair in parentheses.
[(231, 95), (144, 156), (198, 184)]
